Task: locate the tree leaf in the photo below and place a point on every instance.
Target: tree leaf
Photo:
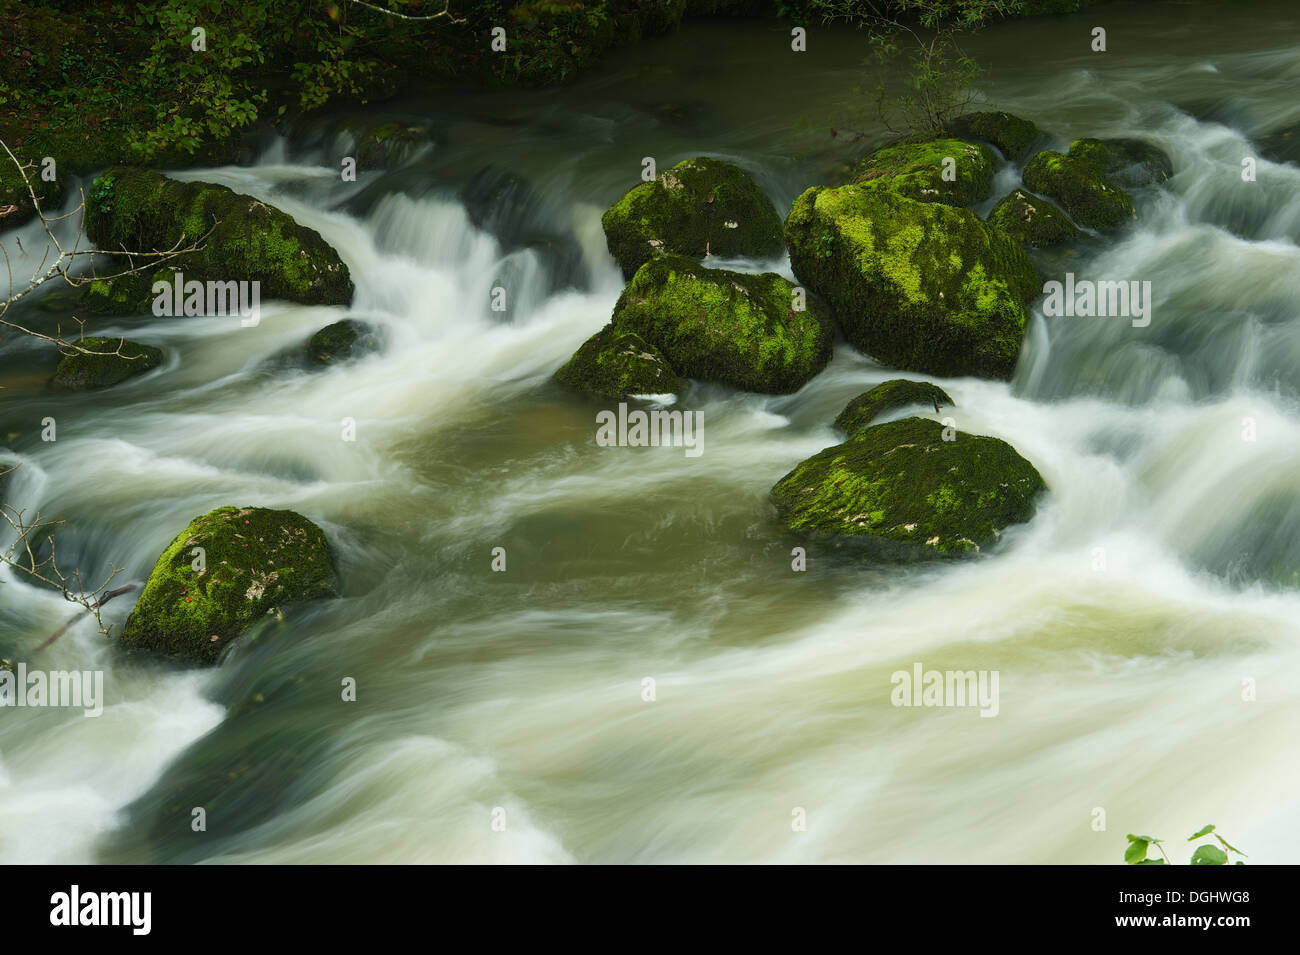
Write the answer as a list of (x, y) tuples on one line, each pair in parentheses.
[(1151, 862), (1204, 831), (1136, 852), (1209, 855)]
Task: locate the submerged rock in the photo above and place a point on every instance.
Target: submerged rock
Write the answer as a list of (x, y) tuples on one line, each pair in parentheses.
[(1011, 134), (900, 491), (916, 170), (887, 396), (116, 360), (697, 207), (1087, 195), (256, 560), (144, 211), (732, 328), (389, 145), (617, 363), (339, 342), (1126, 162), (1032, 220), (920, 286), (1281, 145)]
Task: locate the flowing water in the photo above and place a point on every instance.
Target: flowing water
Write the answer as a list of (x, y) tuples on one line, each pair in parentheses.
[(1158, 575)]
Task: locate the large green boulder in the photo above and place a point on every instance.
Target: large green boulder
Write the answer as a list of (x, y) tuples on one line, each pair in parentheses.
[(254, 560), (139, 210), (1086, 194), (921, 286), (112, 360), (889, 396), (617, 363), (732, 328), (699, 206), (936, 170), (1011, 134), (1126, 162), (900, 491), (1032, 220)]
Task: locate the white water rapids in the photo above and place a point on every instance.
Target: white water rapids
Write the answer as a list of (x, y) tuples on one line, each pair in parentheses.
[(1121, 687)]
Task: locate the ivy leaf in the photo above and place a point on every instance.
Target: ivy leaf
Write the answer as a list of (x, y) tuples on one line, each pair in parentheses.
[(1209, 855), (1136, 853)]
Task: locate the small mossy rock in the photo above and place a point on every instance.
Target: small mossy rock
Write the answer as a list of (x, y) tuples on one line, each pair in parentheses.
[(1281, 145), (1087, 195), (144, 211), (916, 169), (698, 206), (1126, 162), (1011, 134), (256, 560), (16, 206), (339, 342), (115, 361), (887, 396), (389, 145), (732, 328), (921, 286), (1032, 220), (903, 492), (616, 363)]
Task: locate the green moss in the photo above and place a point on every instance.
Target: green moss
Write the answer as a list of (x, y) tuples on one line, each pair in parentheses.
[(616, 363), (915, 169), (1032, 221), (256, 561), (887, 396), (901, 492), (732, 328), (919, 286), (1127, 162), (249, 241), (1090, 198), (14, 191), (115, 361), (697, 207), (1011, 134)]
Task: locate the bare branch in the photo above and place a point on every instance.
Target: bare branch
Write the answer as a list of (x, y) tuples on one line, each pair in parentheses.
[(444, 12)]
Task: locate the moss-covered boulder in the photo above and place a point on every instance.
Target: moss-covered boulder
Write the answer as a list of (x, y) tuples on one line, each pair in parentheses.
[(112, 360), (255, 561), (921, 286), (697, 207), (935, 170), (727, 327), (1127, 162), (1087, 195), (617, 363), (888, 396), (389, 145), (16, 205), (900, 491), (1032, 220), (1011, 134), (144, 211), (339, 342)]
